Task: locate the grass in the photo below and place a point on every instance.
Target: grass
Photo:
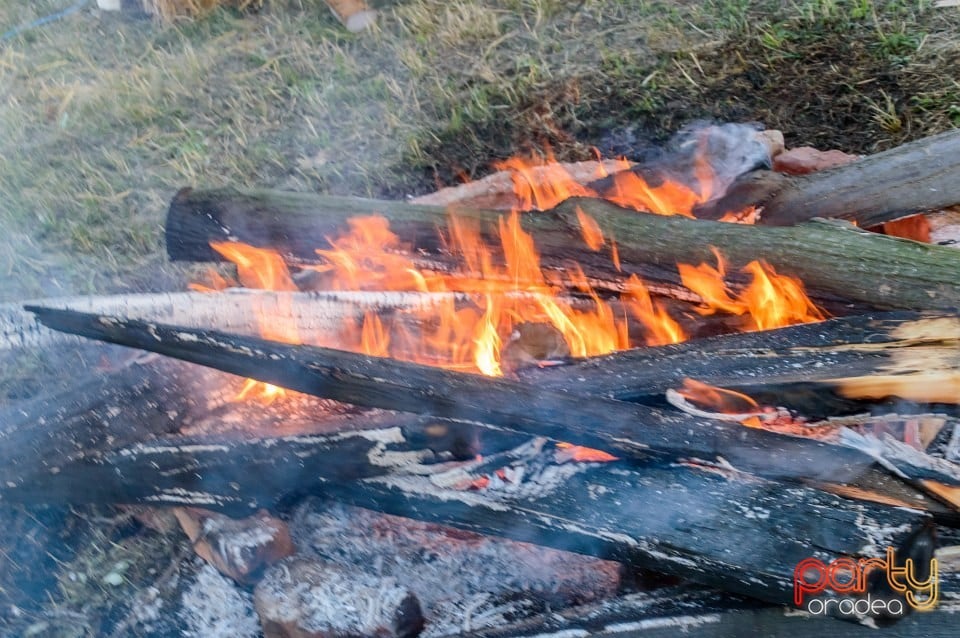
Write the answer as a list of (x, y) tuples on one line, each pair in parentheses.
[(105, 117)]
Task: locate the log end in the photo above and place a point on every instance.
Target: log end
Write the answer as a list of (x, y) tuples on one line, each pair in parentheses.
[(753, 189), (192, 219)]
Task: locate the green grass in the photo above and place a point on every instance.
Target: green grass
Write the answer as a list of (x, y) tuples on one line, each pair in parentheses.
[(105, 117)]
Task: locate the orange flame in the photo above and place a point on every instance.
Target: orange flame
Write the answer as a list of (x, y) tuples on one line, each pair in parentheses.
[(264, 269), (501, 284), (662, 328), (592, 234), (774, 300), (770, 300), (669, 198), (257, 267), (541, 184), (721, 400)]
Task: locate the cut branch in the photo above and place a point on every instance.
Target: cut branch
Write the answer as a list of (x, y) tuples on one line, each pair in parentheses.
[(835, 261), (909, 179)]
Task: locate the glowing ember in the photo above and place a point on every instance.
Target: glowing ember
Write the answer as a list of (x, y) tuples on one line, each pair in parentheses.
[(582, 454), (717, 399), (721, 401), (265, 393), (916, 227)]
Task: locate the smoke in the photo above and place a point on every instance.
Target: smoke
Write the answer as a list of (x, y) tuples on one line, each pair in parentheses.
[(729, 149)]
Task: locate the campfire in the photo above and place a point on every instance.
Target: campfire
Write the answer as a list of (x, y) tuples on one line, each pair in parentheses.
[(588, 372)]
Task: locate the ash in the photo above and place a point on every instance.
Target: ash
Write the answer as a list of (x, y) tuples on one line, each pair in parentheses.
[(464, 581), (212, 607)]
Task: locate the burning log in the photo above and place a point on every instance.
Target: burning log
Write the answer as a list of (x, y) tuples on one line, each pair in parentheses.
[(901, 356), (914, 178), (630, 429), (833, 260)]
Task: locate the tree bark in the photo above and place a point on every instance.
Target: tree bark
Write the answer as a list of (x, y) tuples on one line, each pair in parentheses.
[(835, 261), (627, 429), (909, 179)]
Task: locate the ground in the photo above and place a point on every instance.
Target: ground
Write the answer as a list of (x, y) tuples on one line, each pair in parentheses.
[(104, 117)]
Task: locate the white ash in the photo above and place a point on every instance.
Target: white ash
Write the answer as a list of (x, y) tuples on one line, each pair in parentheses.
[(459, 577), (879, 536), (322, 599), (147, 612), (238, 541), (212, 607)]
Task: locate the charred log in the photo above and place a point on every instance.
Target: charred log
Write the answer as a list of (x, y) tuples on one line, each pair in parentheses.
[(909, 179), (835, 261), (235, 310), (150, 434), (701, 523), (628, 429), (706, 613), (863, 359), (693, 520)]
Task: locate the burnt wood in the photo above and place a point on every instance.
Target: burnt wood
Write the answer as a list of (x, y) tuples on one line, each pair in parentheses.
[(834, 260), (821, 358), (914, 178), (157, 432), (724, 529), (695, 521), (631, 430), (707, 613)]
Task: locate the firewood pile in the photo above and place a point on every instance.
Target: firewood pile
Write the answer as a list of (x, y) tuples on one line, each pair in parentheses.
[(576, 417)]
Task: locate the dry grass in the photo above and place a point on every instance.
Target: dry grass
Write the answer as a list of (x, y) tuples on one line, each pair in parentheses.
[(170, 10), (105, 117)]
